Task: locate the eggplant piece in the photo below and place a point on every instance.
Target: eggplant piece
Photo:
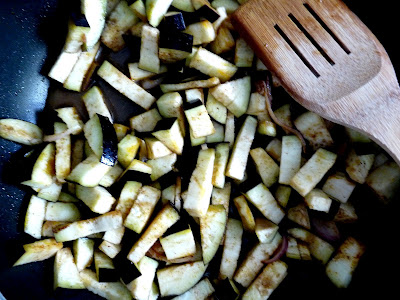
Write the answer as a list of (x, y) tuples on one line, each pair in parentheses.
[(66, 273), (175, 46), (203, 8), (173, 21), (102, 138), (105, 269)]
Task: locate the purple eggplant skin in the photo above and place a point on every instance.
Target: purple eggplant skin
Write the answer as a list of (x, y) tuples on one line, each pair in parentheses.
[(173, 22), (176, 40), (110, 142)]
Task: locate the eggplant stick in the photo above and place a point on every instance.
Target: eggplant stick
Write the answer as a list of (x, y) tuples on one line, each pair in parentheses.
[(264, 88)]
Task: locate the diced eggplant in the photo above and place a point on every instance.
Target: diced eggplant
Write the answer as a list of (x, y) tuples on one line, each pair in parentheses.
[(127, 197), (202, 290), (70, 116), (299, 215), (178, 245), (63, 152), (173, 21), (183, 5), (76, 36), (82, 70), (83, 249), (63, 66), (141, 287), (105, 270), (38, 251), (59, 211), (313, 128), (167, 217), (341, 267), (319, 248), (199, 121), (284, 115), (221, 161), (318, 200), (269, 279), (346, 213), (121, 19), (50, 192), (178, 279), (97, 198), (221, 196), (282, 194), (110, 249), (111, 176), (170, 104), (274, 149), (142, 208), (230, 129), (385, 180), (108, 290), (290, 158), (20, 131), (244, 55), (339, 187), (263, 199), (245, 213), (127, 149), (162, 165), (125, 86), (95, 103), (232, 247), (102, 139), (203, 32), (149, 59), (139, 9), (265, 230), (253, 262), (43, 171), (235, 95), (358, 166), (241, 149), (95, 13), (66, 273), (175, 46), (89, 172), (267, 168), (212, 65), (145, 122), (206, 83), (84, 228), (212, 228), (170, 135), (156, 9), (200, 186), (34, 217), (311, 173), (49, 226)]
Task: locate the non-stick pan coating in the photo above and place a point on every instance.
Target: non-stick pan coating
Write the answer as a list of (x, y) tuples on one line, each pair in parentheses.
[(32, 33)]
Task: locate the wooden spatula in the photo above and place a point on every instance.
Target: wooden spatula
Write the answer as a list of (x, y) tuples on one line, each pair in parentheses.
[(328, 61)]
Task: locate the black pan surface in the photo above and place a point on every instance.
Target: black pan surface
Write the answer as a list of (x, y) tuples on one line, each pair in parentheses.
[(32, 33)]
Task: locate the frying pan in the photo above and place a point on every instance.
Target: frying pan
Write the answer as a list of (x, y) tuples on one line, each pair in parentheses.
[(32, 34)]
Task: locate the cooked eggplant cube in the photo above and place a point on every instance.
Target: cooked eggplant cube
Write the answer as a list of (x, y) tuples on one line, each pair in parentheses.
[(102, 139), (208, 12), (177, 41), (142, 286), (156, 9), (173, 21), (83, 249), (169, 133), (104, 266), (20, 131), (183, 5), (89, 172), (65, 271), (39, 251), (199, 121)]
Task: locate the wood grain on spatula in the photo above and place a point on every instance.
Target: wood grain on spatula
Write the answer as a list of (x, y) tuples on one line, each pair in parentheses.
[(329, 62)]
